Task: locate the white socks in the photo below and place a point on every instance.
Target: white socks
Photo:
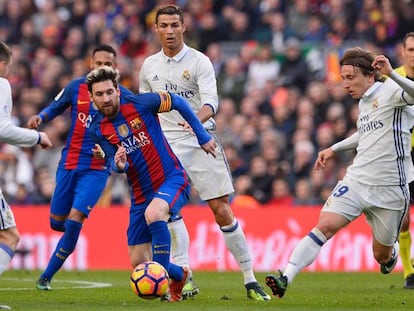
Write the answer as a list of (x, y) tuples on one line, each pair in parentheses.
[(180, 243), (304, 253), (237, 244), (6, 254)]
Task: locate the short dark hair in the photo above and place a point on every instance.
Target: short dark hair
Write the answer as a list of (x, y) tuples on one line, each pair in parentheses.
[(5, 52), (101, 74), (408, 35), (362, 59), (169, 10), (104, 48)]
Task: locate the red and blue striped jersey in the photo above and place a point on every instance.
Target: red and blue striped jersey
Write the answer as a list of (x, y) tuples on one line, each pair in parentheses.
[(150, 159), (77, 153)]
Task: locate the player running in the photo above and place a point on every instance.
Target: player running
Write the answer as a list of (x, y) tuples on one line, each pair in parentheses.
[(79, 171), (376, 184), (128, 130)]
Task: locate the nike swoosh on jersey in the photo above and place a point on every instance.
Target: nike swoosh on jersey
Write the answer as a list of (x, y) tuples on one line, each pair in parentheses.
[(163, 193), (83, 102), (161, 245), (110, 136)]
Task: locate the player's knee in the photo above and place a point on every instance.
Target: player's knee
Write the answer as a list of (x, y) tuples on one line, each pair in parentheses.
[(57, 225), (10, 237), (152, 215)]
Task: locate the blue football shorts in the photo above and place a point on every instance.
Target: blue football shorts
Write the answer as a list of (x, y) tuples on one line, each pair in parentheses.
[(80, 189), (175, 191)]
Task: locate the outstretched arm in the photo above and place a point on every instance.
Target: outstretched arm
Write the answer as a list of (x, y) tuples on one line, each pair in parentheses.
[(348, 143), (384, 66), (205, 140), (323, 157)]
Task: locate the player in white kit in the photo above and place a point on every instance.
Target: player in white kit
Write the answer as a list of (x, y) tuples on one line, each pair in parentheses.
[(14, 135), (376, 184), (185, 71)]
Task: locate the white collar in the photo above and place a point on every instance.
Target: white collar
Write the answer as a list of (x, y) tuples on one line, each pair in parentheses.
[(177, 57), (371, 90)]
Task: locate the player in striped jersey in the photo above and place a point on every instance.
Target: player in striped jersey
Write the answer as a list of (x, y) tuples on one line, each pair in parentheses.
[(407, 70), (78, 171), (376, 184), (14, 135), (128, 130)]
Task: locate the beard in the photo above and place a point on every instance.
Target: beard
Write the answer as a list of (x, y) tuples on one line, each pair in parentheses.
[(110, 111)]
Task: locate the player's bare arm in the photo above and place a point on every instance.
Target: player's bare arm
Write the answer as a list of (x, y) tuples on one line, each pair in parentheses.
[(323, 157)]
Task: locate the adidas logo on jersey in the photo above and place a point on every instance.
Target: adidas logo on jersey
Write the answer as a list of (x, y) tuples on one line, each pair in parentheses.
[(155, 78)]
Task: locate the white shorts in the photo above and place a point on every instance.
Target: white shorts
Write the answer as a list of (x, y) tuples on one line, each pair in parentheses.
[(6, 215), (383, 206), (210, 176)]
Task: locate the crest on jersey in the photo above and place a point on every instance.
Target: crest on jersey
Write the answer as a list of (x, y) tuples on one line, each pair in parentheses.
[(186, 75), (136, 123), (375, 104), (123, 130)]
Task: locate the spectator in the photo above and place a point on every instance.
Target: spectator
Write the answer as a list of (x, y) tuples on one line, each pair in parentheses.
[(281, 195), (214, 52), (210, 30), (263, 68), (242, 197), (231, 82), (294, 70), (280, 32), (238, 26), (261, 179), (135, 44), (298, 17), (304, 194), (236, 164)]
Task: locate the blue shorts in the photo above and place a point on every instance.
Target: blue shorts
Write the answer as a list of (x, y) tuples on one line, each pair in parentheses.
[(80, 189), (175, 191)]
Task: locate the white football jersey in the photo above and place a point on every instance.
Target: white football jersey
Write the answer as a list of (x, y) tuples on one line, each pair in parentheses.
[(9, 132), (383, 152), (189, 74)]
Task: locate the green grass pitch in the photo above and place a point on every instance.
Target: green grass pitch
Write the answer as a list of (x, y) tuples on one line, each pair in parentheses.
[(110, 290)]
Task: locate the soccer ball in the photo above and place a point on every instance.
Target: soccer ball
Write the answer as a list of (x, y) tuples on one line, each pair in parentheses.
[(149, 280)]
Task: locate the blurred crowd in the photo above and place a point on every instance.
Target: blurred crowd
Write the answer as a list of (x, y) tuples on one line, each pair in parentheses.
[(277, 69)]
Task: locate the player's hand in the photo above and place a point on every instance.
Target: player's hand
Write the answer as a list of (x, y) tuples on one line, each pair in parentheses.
[(382, 64), (34, 122), (210, 147), (120, 158), (323, 157), (45, 141), (186, 126), (98, 152)]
